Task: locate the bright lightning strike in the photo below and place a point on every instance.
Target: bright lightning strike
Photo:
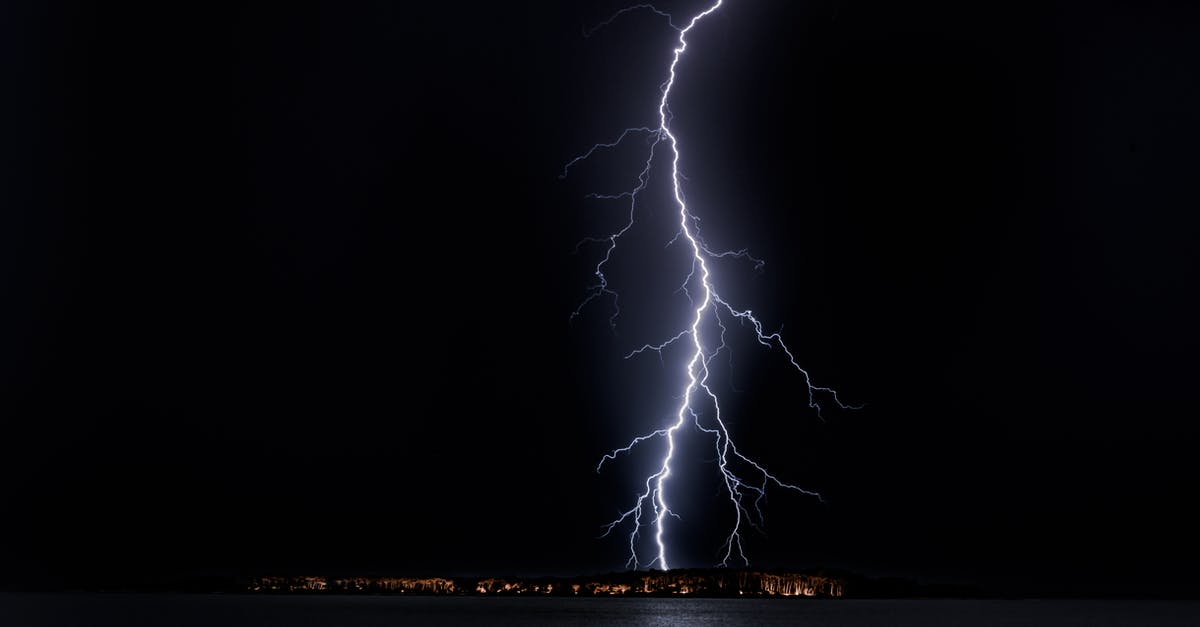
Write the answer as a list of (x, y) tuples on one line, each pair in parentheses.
[(699, 405)]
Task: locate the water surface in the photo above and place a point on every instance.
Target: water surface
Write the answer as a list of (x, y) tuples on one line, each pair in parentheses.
[(134, 610)]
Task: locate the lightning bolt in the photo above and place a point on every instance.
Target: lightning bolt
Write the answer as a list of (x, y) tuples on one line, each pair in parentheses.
[(745, 481)]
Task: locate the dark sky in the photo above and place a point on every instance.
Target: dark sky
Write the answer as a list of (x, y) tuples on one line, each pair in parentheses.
[(286, 289)]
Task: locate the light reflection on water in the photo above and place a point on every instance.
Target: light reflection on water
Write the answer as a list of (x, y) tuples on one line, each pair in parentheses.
[(130, 610)]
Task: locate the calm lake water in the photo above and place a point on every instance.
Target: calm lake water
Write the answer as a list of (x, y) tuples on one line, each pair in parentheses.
[(131, 610)]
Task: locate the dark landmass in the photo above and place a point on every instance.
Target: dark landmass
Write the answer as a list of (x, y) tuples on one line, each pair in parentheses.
[(713, 582), (690, 582), (718, 582)]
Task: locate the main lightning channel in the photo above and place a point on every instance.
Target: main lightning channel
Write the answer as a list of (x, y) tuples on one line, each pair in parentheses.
[(707, 303), (685, 224)]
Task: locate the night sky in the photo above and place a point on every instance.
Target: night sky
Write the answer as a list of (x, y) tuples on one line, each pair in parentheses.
[(286, 289)]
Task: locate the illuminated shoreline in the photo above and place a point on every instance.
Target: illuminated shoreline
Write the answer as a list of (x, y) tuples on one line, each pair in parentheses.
[(692, 583)]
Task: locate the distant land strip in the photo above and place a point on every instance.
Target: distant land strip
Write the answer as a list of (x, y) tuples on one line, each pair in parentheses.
[(706, 583)]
